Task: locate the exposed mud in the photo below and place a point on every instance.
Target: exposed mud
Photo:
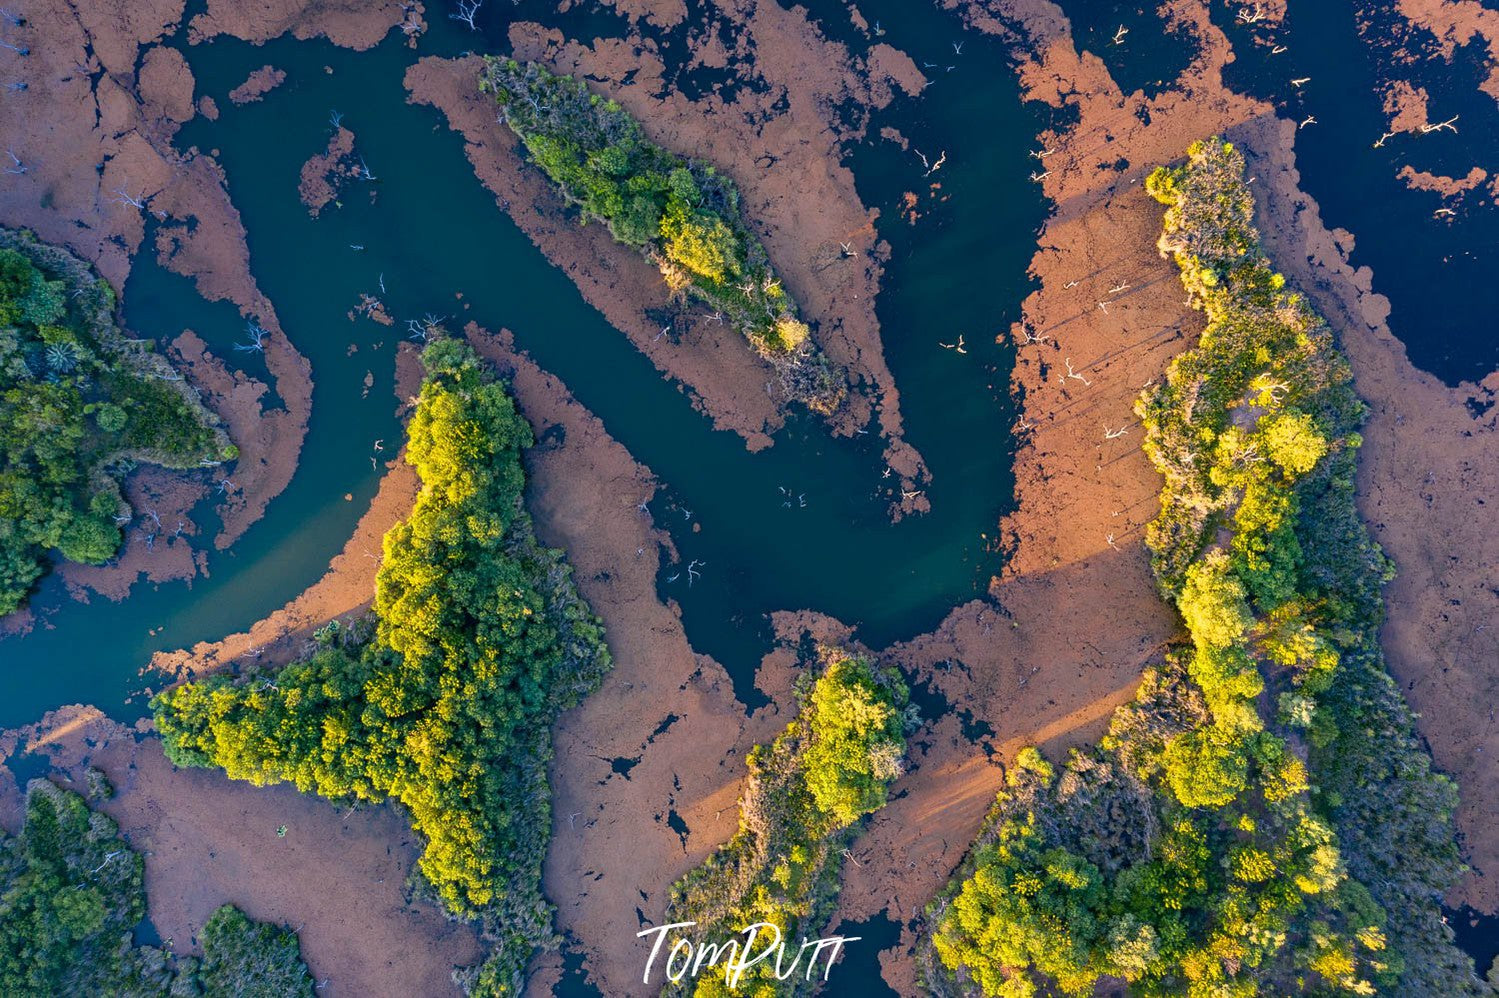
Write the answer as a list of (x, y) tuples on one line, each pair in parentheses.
[(1079, 617), (344, 591), (663, 739), (1428, 478), (354, 24), (257, 85), (158, 541), (336, 876), (778, 136), (95, 138), (324, 175), (1448, 25), (1046, 658)]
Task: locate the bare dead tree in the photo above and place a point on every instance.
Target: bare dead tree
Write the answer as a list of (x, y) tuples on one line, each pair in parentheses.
[(1300, 81), (1109, 434), (364, 170), (6, 14), (425, 328), (1448, 124), (255, 335), (410, 25), (1041, 153), (937, 165), (1382, 138), (957, 48), (19, 167), (1118, 38), (692, 573), (1310, 119), (1038, 177), (1278, 50), (121, 197), (1119, 288), (1248, 16), (467, 11), (21, 50), (117, 852), (1074, 374), (336, 118), (17, 86)]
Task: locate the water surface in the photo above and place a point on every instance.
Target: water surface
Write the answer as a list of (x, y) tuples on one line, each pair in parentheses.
[(433, 233)]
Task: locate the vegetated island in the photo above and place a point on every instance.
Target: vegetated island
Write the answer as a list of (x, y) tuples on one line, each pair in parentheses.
[(682, 214), (1262, 818), (80, 406), (71, 894), (445, 700), (804, 800)]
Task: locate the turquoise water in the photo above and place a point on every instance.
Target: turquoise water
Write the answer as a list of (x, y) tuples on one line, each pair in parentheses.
[(433, 232)]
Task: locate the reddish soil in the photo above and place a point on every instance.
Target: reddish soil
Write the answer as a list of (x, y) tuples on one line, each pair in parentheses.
[(324, 175), (1418, 180), (353, 24), (1032, 677), (1454, 23), (1428, 473), (797, 195), (1075, 615), (1407, 107), (344, 591), (94, 134), (338, 876), (257, 85), (158, 541), (613, 851)]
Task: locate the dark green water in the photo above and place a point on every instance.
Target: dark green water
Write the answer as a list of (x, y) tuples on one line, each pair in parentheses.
[(433, 232)]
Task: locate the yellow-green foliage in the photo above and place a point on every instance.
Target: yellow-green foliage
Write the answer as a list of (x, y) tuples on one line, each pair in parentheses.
[(71, 893), (1261, 820), (479, 641), (682, 213), (804, 798), (78, 404)]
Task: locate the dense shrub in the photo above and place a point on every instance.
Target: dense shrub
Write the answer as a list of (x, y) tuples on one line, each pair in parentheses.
[(1262, 818), (78, 405), (446, 705), (803, 802), (71, 894), (681, 213)]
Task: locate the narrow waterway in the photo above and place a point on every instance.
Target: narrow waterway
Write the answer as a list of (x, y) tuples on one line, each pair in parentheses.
[(433, 233)]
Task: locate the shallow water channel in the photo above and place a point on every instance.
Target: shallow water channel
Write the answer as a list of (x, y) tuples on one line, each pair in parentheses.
[(433, 232)]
